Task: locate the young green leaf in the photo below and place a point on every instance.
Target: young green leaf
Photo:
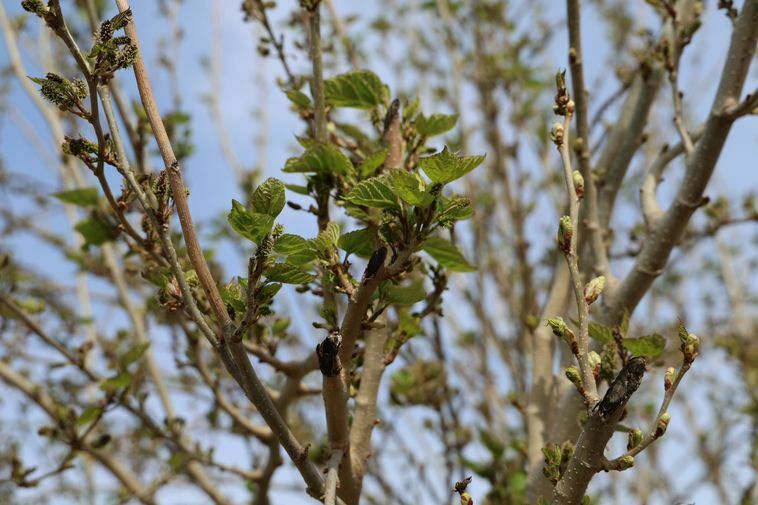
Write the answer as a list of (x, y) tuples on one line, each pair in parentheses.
[(600, 332), (288, 274), (251, 225), (233, 295), (372, 163), (297, 249), (328, 238), (120, 381), (95, 231), (436, 124), (83, 197), (447, 255), (375, 192), (454, 209), (404, 295), (268, 198), (132, 355), (88, 415), (298, 98), (360, 89), (650, 346), (321, 159), (445, 167), (410, 188), (359, 242)]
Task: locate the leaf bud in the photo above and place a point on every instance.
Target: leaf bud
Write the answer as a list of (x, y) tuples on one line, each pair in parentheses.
[(578, 180), (668, 378), (593, 289), (635, 439)]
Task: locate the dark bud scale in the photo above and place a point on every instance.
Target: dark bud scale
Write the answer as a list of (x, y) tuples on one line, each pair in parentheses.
[(328, 354), (623, 387)]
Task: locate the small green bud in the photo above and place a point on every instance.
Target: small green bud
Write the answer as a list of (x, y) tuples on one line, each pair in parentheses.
[(635, 439), (626, 462), (557, 133), (565, 232), (668, 378), (593, 289), (558, 325), (572, 374), (34, 6), (690, 344), (663, 423), (578, 183)]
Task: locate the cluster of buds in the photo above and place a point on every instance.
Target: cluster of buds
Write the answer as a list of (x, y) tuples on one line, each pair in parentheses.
[(690, 344), (634, 439), (61, 92), (84, 149), (578, 181), (113, 53), (593, 289), (565, 232), (668, 378), (663, 423)]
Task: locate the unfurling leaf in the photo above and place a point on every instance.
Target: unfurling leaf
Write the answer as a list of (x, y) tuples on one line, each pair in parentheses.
[(253, 226), (288, 274), (268, 198), (445, 166), (447, 255), (83, 197), (375, 192), (360, 89)]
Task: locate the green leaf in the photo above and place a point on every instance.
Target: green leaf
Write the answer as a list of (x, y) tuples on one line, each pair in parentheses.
[(650, 346), (375, 192), (95, 231), (297, 249), (267, 292), (328, 238), (447, 255), (410, 188), (288, 274), (445, 167), (360, 89), (298, 98), (132, 355), (455, 209), (372, 163), (300, 190), (404, 295), (268, 198), (359, 242), (435, 124), (178, 460), (321, 159), (600, 332), (120, 381), (89, 415), (233, 295), (84, 197), (251, 225)]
